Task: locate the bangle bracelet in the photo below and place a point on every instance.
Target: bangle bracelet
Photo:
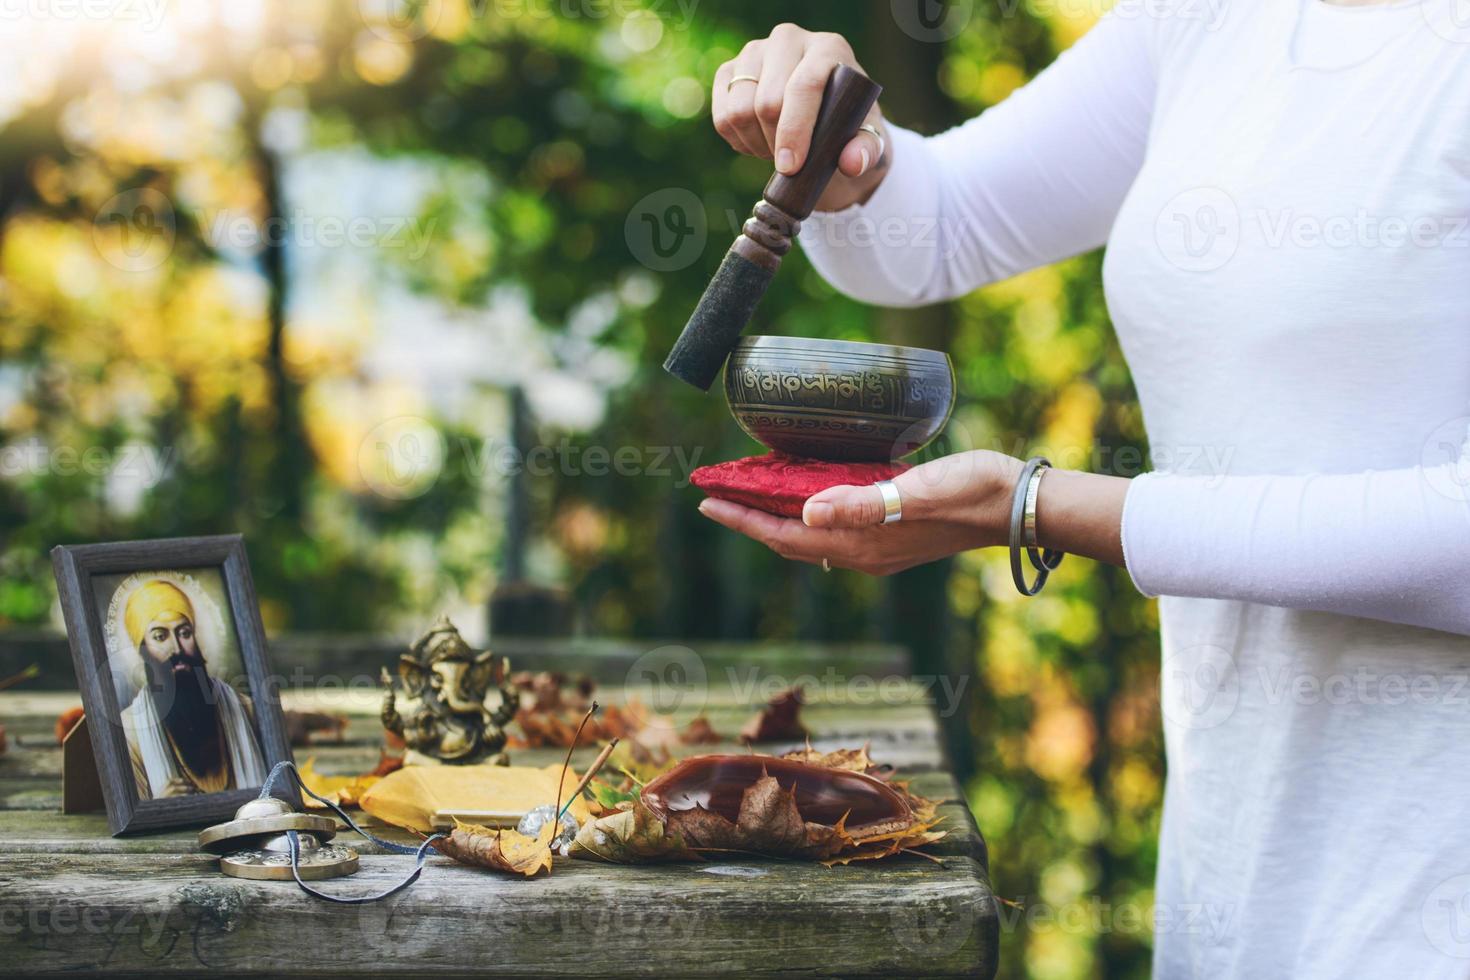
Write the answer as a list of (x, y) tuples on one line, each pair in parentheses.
[(1023, 529)]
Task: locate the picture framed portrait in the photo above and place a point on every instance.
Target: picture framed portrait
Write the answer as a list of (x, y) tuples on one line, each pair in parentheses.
[(182, 708)]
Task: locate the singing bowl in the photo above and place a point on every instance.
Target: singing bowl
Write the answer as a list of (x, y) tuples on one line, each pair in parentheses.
[(838, 399)]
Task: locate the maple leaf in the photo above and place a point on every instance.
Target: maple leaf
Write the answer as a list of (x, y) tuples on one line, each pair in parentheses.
[(634, 835), (551, 707), (552, 691), (778, 720), (872, 850), (655, 758), (343, 790), (853, 760), (768, 822), (509, 851), (542, 729), (768, 817), (699, 732), (657, 739), (548, 716), (622, 722)]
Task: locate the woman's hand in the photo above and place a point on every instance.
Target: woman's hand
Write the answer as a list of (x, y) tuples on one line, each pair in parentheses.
[(773, 117), (951, 504)]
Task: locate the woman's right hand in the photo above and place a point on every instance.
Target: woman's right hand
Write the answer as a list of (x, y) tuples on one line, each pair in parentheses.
[(773, 117)]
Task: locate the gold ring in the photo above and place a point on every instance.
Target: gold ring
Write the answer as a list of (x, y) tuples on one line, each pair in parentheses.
[(826, 565), (745, 78), (882, 143)]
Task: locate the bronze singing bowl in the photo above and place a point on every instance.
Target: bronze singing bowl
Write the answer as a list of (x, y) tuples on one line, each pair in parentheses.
[(838, 399)]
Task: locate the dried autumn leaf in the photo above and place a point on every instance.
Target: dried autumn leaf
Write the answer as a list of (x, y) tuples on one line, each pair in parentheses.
[(787, 807), (853, 760), (778, 721), (921, 832), (303, 726), (637, 768), (552, 691), (632, 836), (646, 758), (551, 706), (658, 737), (926, 811), (341, 790), (699, 732), (769, 822), (868, 851), (541, 729), (388, 762), (623, 721), (66, 721), (509, 851)]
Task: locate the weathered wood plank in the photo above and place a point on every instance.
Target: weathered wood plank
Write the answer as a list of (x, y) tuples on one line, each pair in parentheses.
[(907, 702), (36, 831), (902, 733), (73, 899), (168, 914), (909, 752), (316, 660)]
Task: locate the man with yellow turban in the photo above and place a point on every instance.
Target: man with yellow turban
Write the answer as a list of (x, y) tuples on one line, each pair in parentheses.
[(187, 732)]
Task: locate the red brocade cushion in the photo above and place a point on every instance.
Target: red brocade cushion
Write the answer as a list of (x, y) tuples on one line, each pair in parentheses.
[(780, 484)]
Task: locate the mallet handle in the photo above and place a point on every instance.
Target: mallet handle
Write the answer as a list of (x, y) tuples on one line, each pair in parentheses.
[(789, 199)]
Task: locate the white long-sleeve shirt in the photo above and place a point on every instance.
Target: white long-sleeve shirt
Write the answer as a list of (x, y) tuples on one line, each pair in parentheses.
[(1283, 187)]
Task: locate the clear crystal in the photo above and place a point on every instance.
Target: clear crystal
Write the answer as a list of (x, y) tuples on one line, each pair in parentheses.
[(533, 822)]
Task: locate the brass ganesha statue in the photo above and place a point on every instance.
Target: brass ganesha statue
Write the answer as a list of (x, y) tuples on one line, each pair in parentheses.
[(454, 703)]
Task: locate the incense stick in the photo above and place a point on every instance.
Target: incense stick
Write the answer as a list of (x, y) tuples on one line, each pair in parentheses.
[(561, 780), (592, 770)]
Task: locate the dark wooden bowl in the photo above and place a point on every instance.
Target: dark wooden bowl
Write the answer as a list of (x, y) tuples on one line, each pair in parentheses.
[(838, 399)]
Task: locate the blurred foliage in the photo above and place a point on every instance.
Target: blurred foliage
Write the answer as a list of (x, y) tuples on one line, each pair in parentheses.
[(159, 379)]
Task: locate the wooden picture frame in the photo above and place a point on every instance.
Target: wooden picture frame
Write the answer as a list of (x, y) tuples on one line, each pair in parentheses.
[(81, 570)]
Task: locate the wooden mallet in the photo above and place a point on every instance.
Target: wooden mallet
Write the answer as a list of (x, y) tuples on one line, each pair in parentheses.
[(751, 264)]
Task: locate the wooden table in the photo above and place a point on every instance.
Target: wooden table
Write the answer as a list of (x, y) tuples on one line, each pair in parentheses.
[(73, 899)]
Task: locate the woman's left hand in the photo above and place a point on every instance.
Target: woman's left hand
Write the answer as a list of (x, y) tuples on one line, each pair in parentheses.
[(950, 504)]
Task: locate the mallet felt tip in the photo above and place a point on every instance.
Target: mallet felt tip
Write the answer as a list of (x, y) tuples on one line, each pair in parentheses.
[(748, 268)]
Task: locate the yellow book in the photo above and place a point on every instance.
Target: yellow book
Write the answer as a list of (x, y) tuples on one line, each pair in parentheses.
[(430, 798)]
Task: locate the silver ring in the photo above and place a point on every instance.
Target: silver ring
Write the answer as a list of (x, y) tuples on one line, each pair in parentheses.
[(826, 565), (892, 502), (745, 78), (882, 143)]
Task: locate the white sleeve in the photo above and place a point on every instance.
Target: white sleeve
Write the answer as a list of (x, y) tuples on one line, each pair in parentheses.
[(1391, 545), (1035, 179)]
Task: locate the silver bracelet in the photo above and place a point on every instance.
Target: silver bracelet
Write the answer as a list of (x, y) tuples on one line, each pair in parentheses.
[(1023, 529), (1028, 516)]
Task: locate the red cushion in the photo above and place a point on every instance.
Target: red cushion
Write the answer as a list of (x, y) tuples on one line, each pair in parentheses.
[(780, 484)]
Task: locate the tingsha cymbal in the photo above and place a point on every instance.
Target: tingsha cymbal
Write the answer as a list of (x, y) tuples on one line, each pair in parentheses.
[(257, 844), (315, 863), (258, 821)]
